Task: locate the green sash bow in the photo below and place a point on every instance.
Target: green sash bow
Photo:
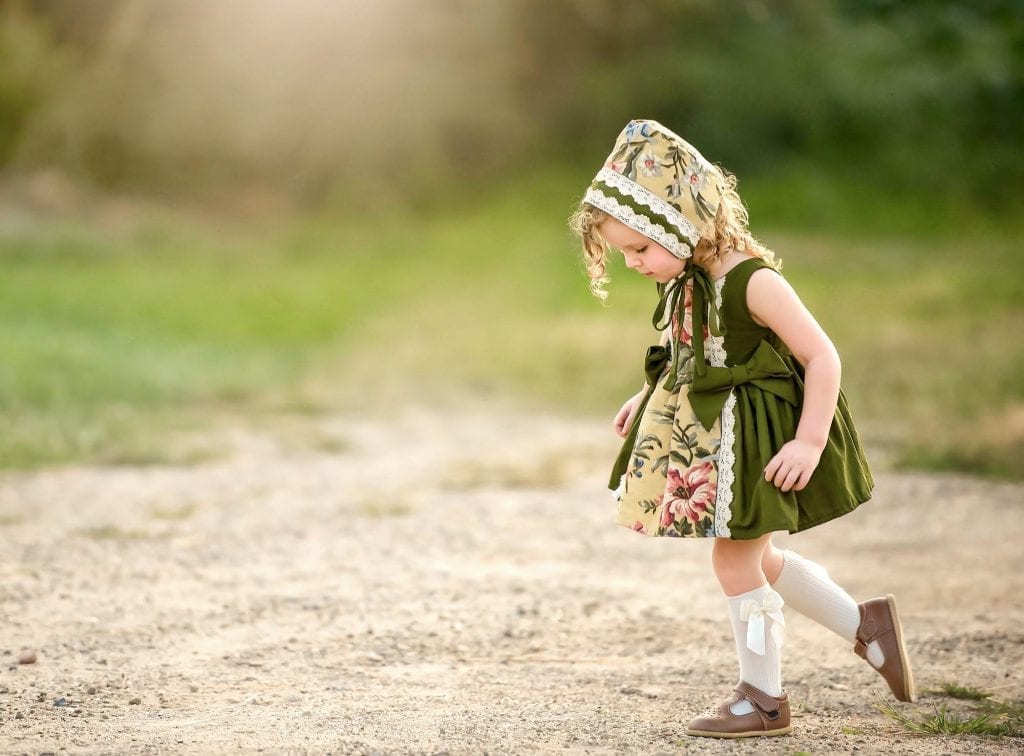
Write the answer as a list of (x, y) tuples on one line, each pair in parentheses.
[(654, 363), (765, 369)]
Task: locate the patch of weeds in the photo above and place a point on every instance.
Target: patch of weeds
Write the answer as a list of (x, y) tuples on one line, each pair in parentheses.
[(179, 513), (964, 693), (994, 720), (389, 508), (549, 473), (111, 532), (147, 456), (301, 433), (315, 439), (1011, 712), (10, 520), (853, 731)]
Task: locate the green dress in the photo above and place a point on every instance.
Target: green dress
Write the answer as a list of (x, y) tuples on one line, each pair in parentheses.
[(724, 398)]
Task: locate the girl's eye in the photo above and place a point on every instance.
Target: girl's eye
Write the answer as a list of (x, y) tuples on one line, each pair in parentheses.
[(642, 250)]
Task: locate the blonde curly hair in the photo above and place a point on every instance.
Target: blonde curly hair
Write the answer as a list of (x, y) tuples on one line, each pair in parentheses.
[(730, 232)]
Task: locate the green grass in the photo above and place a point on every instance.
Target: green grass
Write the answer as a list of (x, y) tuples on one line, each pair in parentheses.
[(999, 720), (115, 343), (961, 692), (984, 715), (111, 533)]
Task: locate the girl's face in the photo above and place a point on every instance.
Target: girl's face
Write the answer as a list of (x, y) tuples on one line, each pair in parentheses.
[(646, 257)]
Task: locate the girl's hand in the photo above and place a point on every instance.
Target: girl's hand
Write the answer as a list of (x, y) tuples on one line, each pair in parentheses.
[(624, 418), (793, 466)]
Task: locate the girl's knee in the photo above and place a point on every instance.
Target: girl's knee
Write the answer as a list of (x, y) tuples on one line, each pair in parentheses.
[(772, 562), (738, 564)]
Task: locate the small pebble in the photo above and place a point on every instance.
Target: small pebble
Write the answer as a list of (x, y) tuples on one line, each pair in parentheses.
[(194, 688), (60, 701), (27, 656), (19, 715), (92, 690), (133, 701)]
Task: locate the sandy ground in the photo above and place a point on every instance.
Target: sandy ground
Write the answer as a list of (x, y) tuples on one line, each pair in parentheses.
[(455, 582)]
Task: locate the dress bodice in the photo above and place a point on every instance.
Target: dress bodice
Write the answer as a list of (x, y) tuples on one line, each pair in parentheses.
[(735, 348)]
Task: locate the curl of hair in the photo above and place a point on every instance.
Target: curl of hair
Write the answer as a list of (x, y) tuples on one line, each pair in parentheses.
[(731, 225), (584, 222)]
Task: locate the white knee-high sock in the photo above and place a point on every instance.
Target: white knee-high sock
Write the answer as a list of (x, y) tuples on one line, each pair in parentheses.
[(759, 629), (807, 587)]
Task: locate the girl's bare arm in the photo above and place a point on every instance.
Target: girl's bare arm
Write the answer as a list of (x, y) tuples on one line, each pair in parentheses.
[(774, 302)]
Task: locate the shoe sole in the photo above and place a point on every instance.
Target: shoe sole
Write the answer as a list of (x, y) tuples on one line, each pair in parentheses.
[(751, 734), (908, 674)]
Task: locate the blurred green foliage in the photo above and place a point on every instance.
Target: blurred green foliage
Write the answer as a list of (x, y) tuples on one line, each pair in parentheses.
[(428, 101), (110, 338)]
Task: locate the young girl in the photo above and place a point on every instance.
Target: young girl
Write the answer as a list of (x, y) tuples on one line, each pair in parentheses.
[(742, 428)]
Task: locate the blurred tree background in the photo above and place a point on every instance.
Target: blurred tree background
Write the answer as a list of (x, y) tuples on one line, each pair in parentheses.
[(420, 97), (235, 204)]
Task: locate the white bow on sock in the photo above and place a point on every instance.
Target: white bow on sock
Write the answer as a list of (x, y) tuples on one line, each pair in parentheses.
[(759, 631)]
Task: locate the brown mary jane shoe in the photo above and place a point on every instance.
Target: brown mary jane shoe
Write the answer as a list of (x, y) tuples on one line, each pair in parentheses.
[(769, 717), (880, 622)]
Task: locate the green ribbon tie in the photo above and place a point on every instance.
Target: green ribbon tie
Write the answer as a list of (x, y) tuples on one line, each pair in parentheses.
[(673, 299)]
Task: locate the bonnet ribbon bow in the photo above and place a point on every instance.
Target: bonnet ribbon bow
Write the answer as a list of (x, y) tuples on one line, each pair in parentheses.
[(672, 299), (755, 615)]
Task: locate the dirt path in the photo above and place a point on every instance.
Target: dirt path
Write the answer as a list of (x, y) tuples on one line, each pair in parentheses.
[(459, 591)]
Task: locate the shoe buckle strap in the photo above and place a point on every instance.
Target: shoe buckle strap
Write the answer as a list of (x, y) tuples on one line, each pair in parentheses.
[(767, 704), (866, 635)]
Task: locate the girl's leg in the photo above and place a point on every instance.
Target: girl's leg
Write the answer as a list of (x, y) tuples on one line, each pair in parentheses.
[(873, 625), (758, 706), (752, 601), (807, 587)]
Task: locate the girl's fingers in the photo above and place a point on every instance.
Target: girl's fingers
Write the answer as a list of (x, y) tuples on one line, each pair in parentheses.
[(627, 420), (780, 476), (805, 478), (791, 478), (620, 420), (771, 467)]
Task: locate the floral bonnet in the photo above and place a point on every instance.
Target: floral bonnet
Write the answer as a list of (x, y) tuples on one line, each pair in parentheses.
[(658, 184)]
